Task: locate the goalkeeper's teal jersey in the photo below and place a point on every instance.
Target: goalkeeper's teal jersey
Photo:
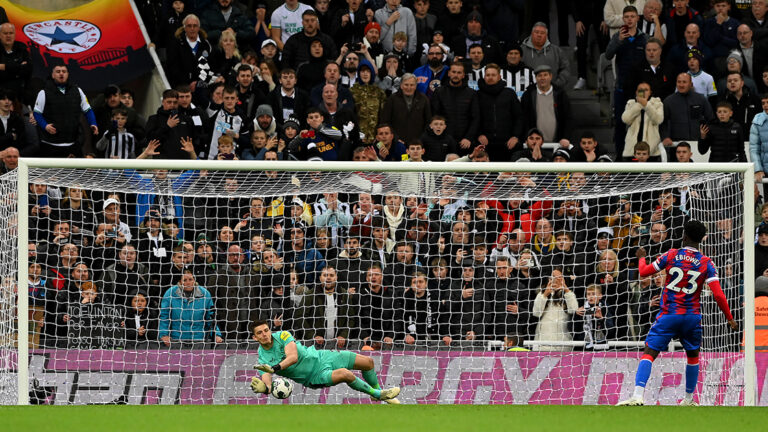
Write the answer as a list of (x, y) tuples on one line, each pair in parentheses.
[(301, 371)]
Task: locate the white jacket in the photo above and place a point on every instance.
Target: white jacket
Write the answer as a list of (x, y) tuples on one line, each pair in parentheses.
[(553, 320), (613, 16), (654, 115)]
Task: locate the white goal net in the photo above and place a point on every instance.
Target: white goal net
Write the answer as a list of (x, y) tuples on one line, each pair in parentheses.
[(464, 287)]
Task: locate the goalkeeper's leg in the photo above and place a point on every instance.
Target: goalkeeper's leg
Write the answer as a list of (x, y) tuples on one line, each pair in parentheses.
[(344, 375), (365, 365)]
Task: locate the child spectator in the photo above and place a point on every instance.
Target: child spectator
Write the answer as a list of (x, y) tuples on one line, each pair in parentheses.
[(117, 142), (723, 136), (260, 144), (140, 321), (437, 143), (703, 83), (319, 141), (226, 148), (642, 152), (592, 319), (400, 49)]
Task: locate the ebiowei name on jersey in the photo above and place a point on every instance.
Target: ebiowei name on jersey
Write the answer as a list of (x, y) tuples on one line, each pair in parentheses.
[(683, 257)]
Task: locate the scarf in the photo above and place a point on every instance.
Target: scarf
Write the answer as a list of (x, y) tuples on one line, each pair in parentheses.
[(394, 220)]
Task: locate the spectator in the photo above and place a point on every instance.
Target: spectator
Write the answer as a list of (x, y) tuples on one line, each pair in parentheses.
[(140, 319), (332, 75), (589, 149), (516, 74), (748, 48), (172, 19), (340, 117), (104, 110), (651, 22), (57, 113), (547, 108), (236, 294), (296, 50), (473, 33), (329, 312), (228, 121), (15, 64), (390, 75), (668, 213), (539, 51), (187, 313), (369, 100), (451, 19), (122, 278), (287, 20), (348, 23), (703, 83), (349, 62), (613, 13), (117, 142), (304, 257), (745, 103), (168, 128), (381, 305), (372, 40), (509, 313), (188, 51), (758, 140), (761, 251), (467, 304), (650, 299), (501, 115), (755, 19), (554, 306), (399, 46), (436, 142), (691, 39), (250, 94), (425, 23), (420, 303), (734, 63), (286, 100), (627, 47), (459, 105), (720, 32), (429, 76), (724, 137), (12, 132), (680, 15), (407, 110), (394, 18), (683, 113), (532, 149), (643, 115), (588, 15), (592, 320), (683, 152), (225, 16), (388, 148), (658, 75), (76, 208)]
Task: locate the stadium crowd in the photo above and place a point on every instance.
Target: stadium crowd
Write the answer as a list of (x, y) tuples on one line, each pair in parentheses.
[(380, 80)]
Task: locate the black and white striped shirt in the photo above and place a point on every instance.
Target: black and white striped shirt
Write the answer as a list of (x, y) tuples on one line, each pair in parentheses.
[(120, 145), (519, 81)]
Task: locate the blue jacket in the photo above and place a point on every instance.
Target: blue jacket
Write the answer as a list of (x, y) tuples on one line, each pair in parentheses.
[(758, 141), (145, 200), (187, 318), (424, 77)]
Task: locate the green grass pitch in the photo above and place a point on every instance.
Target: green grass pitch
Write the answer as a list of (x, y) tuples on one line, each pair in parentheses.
[(422, 418)]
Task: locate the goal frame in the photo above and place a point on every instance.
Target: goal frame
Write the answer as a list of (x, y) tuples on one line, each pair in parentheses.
[(747, 169)]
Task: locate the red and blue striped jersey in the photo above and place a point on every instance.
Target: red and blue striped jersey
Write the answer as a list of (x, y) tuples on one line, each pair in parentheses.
[(687, 272)]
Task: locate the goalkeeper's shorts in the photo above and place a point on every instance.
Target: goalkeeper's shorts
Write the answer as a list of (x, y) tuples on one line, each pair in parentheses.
[(328, 362), (685, 327)]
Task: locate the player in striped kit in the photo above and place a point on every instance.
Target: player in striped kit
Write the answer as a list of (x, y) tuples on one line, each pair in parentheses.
[(680, 316)]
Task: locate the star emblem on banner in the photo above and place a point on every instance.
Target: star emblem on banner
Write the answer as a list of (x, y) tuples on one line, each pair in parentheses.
[(60, 36)]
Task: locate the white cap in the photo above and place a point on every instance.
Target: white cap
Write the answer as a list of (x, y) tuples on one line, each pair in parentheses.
[(267, 42), (605, 230), (110, 201)]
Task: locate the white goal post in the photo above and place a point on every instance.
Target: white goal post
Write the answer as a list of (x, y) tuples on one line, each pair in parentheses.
[(743, 169)]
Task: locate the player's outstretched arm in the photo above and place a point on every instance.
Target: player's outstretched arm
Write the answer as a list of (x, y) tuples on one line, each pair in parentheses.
[(291, 357), (644, 268), (722, 302)]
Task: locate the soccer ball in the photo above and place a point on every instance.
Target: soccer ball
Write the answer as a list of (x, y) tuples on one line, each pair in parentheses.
[(281, 388)]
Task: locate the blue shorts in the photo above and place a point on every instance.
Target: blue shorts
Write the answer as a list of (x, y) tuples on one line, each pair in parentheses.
[(687, 328)]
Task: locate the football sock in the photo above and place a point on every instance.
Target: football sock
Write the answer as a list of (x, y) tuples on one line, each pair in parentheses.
[(370, 377), (691, 375), (363, 386), (642, 375)]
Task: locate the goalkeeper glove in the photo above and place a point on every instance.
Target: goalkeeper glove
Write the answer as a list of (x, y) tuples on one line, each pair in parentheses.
[(267, 368), (257, 385)]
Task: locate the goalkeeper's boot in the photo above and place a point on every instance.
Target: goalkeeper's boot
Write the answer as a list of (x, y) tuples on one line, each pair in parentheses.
[(393, 401), (258, 386), (633, 401), (389, 393), (686, 402)]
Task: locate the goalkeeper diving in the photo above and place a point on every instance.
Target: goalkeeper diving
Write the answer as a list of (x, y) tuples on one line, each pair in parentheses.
[(281, 354)]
